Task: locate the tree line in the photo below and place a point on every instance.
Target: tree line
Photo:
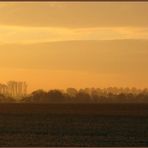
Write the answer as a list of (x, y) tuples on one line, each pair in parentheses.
[(87, 95)]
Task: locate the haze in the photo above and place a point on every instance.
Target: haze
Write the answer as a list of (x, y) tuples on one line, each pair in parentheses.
[(74, 44)]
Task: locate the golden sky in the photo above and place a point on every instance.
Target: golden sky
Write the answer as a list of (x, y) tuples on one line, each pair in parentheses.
[(74, 44)]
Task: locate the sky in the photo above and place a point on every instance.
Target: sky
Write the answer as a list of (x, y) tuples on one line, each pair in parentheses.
[(74, 44)]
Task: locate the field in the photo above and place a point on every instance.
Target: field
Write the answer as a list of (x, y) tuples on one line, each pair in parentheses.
[(73, 125)]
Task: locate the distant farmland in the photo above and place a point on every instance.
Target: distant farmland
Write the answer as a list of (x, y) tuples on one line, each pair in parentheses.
[(73, 124)]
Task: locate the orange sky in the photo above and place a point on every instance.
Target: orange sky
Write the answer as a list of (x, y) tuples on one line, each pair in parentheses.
[(60, 44)]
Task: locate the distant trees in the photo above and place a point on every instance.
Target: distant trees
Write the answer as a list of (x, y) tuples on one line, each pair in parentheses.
[(56, 96), (40, 96), (71, 92), (14, 89), (6, 99), (89, 95), (9, 92)]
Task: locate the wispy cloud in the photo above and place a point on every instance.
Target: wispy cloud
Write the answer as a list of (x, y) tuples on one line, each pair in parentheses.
[(16, 34)]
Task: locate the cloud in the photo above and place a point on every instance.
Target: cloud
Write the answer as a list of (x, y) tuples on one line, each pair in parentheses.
[(26, 35)]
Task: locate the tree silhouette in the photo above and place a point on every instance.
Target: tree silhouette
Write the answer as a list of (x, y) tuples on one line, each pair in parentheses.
[(86, 95)]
